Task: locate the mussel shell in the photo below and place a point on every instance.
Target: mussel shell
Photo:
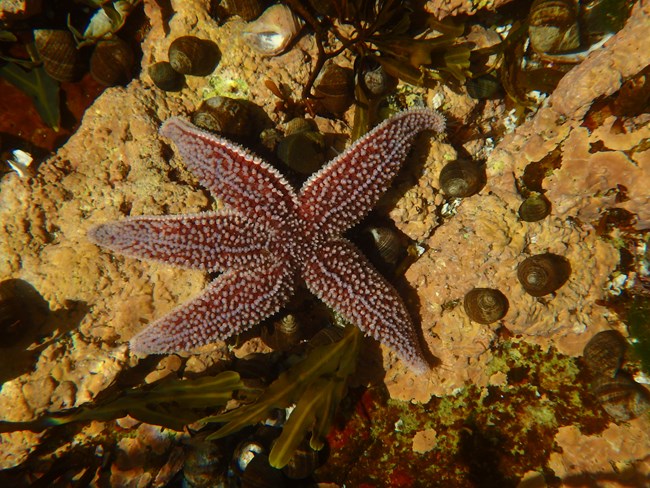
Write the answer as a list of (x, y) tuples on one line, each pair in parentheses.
[(485, 305), (273, 31), (58, 52), (462, 179), (553, 26), (621, 397), (604, 353), (225, 115), (543, 273), (190, 55), (334, 88), (112, 62), (165, 77), (534, 208)]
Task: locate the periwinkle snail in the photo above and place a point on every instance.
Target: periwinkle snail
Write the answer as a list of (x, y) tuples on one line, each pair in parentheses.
[(534, 208), (334, 88), (553, 26), (165, 77), (58, 52), (543, 274), (112, 62), (461, 179), (604, 353), (190, 55), (485, 305), (225, 115)]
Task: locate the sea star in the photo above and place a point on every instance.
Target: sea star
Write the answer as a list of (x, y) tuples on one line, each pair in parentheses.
[(268, 236)]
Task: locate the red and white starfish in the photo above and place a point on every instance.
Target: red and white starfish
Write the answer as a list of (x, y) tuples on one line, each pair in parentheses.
[(270, 236)]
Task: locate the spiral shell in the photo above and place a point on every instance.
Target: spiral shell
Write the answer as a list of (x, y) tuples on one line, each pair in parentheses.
[(621, 397), (112, 62), (58, 52), (283, 334), (485, 305), (190, 55), (374, 79), (535, 207), (206, 462), (334, 88), (273, 31), (165, 77), (303, 462), (302, 151), (604, 353), (228, 116), (388, 243), (461, 179), (543, 273), (553, 26)]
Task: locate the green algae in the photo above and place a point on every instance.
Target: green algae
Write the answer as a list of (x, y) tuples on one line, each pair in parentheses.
[(495, 434)]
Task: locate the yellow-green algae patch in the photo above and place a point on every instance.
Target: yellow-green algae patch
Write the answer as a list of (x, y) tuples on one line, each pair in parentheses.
[(494, 434)]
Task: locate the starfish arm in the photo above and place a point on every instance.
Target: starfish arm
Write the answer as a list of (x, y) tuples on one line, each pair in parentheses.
[(212, 241), (343, 192), (234, 302), (240, 179), (342, 278)]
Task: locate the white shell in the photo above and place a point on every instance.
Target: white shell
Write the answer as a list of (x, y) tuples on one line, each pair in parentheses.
[(273, 31)]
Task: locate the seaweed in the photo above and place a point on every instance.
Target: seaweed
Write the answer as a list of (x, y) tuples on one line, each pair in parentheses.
[(638, 326), (39, 86), (316, 385), (168, 403)]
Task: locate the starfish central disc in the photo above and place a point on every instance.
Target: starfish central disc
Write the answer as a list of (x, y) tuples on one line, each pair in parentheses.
[(270, 236)]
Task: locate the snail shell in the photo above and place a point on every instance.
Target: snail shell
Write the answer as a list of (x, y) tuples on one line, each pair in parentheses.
[(165, 77), (58, 51), (485, 305), (206, 462), (535, 207), (273, 31), (260, 474), (246, 9), (334, 87), (303, 462), (112, 62), (461, 179), (621, 397), (302, 152), (225, 115), (387, 242), (374, 79), (553, 26), (283, 334), (543, 273), (190, 55), (484, 87), (604, 353)]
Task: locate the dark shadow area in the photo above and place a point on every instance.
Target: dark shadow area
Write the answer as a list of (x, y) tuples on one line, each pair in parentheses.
[(26, 321)]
